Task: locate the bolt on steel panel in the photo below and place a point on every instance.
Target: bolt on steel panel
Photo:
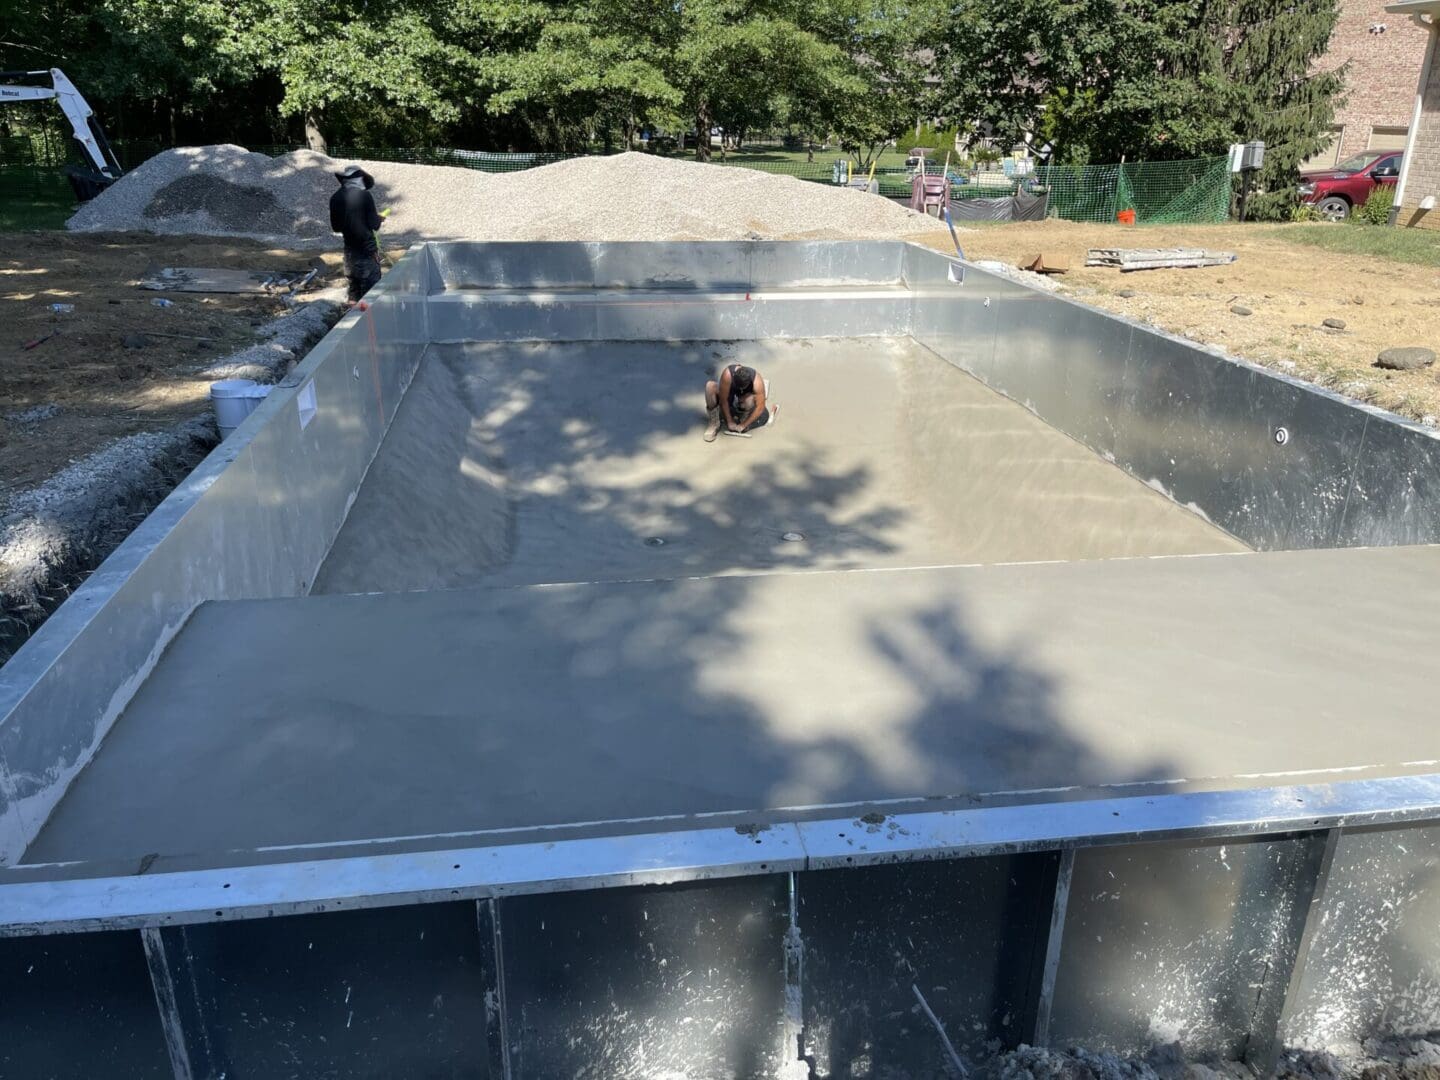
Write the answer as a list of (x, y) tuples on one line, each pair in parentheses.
[(382, 993), (683, 980), (1373, 967), (81, 1006), (1168, 943), (969, 933)]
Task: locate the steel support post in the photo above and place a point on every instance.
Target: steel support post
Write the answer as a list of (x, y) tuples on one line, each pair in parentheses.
[(1276, 999), (178, 1001), (492, 968), (1053, 943)]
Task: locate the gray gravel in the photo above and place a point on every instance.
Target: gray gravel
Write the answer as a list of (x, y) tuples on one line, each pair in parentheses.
[(34, 415), (624, 197), (53, 535), (283, 341)]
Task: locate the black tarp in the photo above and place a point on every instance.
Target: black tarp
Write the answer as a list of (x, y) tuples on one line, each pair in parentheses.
[(1018, 207)]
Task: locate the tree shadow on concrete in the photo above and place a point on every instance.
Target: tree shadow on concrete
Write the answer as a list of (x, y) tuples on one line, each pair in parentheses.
[(526, 464)]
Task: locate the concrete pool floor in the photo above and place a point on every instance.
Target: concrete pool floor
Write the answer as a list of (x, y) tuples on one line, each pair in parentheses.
[(535, 663), (312, 721), (528, 463)]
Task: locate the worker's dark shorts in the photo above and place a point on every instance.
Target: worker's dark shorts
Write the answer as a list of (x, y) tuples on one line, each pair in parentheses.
[(738, 412), (362, 272)]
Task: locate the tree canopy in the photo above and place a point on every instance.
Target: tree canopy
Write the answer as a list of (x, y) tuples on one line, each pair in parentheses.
[(1100, 80)]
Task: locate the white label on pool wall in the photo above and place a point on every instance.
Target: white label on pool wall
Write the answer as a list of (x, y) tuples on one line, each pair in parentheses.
[(306, 404)]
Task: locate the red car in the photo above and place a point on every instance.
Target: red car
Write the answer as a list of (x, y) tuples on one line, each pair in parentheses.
[(1336, 192)]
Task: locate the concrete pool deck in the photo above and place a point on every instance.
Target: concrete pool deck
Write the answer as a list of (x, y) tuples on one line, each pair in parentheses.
[(312, 721), (523, 463)]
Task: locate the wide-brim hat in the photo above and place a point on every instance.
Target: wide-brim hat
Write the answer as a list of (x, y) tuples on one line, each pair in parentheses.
[(350, 172)]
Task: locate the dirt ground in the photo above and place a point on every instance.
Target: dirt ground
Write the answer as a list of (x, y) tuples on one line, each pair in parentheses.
[(82, 388), (1290, 289)]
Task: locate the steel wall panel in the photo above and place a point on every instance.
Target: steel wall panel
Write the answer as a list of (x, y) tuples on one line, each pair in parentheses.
[(528, 265), (79, 1006), (1194, 424), (679, 315), (384, 992), (461, 317), (1373, 968), (647, 267), (1395, 498), (1013, 307), (254, 519), (1203, 430), (1174, 943), (969, 933), (794, 264), (683, 980), (1073, 362)]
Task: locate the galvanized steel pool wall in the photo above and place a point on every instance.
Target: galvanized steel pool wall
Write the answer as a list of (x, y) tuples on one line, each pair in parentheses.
[(1260, 913)]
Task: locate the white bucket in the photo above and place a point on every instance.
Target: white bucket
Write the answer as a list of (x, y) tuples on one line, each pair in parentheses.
[(234, 400)]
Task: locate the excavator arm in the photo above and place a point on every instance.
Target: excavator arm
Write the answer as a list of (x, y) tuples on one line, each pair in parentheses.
[(85, 127)]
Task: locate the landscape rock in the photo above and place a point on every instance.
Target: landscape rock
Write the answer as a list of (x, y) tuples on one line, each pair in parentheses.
[(1333, 324), (1240, 309), (135, 341), (1405, 358), (1126, 293)]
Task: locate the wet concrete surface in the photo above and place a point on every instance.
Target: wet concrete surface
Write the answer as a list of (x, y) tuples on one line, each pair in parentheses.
[(529, 463), (315, 720)]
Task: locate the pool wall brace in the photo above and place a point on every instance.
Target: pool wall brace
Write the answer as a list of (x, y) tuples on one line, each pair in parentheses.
[(1235, 922)]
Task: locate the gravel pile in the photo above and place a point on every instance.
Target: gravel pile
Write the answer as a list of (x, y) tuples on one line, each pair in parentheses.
[(228, 191), (228, 206)]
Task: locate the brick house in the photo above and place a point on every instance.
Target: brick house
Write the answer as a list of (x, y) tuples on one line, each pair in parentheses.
[(1419, 185), (1384, 52)]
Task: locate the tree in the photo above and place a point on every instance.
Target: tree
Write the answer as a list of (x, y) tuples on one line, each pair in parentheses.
[(407, 64), (887, 84), (1114, 80), (703, 62)]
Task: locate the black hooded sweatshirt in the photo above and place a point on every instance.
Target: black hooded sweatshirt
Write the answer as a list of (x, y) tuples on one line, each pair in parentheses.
[(353, 215)]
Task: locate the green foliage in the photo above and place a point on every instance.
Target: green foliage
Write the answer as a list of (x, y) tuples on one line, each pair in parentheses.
[(932, 138), (1124, 80), (1376, 209), (1304, 212), (1102, 80), (845, 67)]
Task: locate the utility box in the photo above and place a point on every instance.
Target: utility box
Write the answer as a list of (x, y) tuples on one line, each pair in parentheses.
[(1247, 157)]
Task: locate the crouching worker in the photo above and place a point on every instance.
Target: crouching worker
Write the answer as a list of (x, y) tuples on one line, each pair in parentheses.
[(738, 401), (353, 216)]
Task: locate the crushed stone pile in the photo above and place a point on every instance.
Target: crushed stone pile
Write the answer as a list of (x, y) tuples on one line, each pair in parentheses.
[(206, 197), (229, 191)]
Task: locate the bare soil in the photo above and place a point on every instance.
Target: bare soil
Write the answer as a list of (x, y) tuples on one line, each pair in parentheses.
[(1290, 288), (81, 389)]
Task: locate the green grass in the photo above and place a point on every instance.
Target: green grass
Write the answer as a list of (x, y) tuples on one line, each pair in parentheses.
[(1415, 247), (41, 212), (34, 199)]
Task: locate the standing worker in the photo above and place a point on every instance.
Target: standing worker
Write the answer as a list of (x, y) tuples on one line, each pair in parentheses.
[(353, 216)]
